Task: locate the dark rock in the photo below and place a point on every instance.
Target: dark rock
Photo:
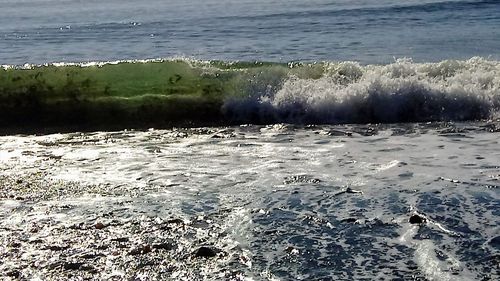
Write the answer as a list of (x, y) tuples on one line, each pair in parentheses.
[(146, 249), (77, 266), (349, 220), (206, 252), (73, 265), (99, 225), (417, 219), (14, 274)]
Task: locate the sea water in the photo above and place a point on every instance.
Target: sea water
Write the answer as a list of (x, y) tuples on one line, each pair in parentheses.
[(367, 31), (381, 165)]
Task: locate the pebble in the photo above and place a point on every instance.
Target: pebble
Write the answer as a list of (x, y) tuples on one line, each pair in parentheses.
[(14, 273), (416, 219), (349, 220), (73, 265), (206, 252), (99, 225)]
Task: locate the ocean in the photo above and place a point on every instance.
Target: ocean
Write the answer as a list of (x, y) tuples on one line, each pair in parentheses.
[(249, 140), (366, 31)]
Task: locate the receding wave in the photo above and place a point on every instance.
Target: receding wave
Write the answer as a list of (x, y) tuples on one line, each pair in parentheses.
[(191, 92)]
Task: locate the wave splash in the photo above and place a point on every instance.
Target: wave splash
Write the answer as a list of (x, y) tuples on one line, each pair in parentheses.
[(403, 91)]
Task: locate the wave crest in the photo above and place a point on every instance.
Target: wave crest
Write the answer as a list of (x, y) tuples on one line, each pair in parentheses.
[(399, 92)]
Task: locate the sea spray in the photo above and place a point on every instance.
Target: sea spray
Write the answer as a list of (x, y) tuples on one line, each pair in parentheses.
[(400, 92)]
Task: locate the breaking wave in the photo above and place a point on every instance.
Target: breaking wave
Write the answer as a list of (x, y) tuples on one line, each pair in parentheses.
[(198, 93), (403, 91)]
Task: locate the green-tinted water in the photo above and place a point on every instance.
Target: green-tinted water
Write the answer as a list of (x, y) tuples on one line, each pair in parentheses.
[(128, 92)]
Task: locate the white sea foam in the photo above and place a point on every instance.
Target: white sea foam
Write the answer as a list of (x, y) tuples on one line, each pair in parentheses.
[(399, 92)]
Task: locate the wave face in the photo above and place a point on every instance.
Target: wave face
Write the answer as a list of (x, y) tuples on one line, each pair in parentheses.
[(399, 92), (194, 93)]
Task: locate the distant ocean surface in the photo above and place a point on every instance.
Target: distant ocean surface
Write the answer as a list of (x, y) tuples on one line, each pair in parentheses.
[(296, 140), (367, 31)]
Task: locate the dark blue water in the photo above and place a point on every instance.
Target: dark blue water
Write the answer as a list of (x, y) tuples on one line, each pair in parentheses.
[(39, 31)]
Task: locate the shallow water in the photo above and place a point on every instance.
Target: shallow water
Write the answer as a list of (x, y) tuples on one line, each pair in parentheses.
[(279, 202)]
